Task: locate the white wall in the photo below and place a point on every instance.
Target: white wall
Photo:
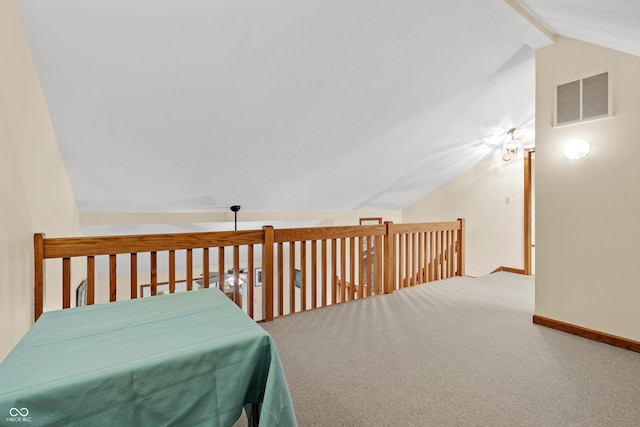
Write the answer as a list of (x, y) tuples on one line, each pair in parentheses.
[(586, 210), (35, 194), (494, 233)]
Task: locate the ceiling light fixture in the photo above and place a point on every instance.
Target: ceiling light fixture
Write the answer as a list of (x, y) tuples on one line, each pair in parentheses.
[(512, 146)]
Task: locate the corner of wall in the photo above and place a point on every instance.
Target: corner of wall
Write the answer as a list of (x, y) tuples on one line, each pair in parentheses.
[(35, 193), (490, 196)]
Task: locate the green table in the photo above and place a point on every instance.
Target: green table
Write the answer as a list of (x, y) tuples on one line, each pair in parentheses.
[(187, 359)]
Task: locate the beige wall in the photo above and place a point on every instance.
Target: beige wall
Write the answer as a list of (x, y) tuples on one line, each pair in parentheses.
[(586, 210), (494, 235), (35, 194)]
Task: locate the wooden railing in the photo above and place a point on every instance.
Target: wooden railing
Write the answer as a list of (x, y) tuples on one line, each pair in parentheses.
[(300, 268)]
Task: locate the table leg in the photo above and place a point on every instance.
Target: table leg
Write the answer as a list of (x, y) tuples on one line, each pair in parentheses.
[(256, 415)]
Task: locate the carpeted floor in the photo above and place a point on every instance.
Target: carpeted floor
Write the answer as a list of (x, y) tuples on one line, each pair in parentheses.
[(460, 352)]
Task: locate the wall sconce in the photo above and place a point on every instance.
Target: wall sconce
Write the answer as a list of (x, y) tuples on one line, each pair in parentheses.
[(576, 149)]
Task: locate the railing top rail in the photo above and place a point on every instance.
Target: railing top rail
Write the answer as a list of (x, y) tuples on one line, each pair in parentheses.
[(105, 245), (425, 226), (68, 247), (321, 233)]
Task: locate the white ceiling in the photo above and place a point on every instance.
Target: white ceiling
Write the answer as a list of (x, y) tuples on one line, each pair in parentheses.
[(283, 105)]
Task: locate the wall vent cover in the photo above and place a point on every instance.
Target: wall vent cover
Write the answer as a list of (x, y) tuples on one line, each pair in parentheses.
[(581, 100)]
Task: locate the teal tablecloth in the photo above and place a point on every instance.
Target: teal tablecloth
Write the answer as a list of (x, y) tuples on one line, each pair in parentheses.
[(187, 359)]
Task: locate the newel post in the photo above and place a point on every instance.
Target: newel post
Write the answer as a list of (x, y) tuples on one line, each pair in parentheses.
[(267, 273), (461, 247), (390, 259), (38, 274)]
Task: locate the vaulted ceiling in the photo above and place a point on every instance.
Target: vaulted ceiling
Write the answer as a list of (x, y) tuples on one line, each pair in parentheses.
[(285, 105)]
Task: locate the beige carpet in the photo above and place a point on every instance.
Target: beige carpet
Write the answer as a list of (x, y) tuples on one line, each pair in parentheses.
[(460, 352)]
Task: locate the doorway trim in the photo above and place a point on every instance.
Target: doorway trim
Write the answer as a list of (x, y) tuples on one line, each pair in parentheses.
[(528, 244)]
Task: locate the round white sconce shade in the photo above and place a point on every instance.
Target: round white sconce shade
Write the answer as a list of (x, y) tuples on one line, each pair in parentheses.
[(576, 149)]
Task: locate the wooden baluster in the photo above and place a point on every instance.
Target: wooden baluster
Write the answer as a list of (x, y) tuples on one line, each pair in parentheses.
[(448, 233), (154, 273), (443, 265), (91, 280), (303, 274), (454, 252), (334, 272), (281, 278), (222, 273), (436, 258), (205, 267), (172, 271), (439, 249), (361, 261), (389, 284), (237, 298), (189, 269), (367, 273), (415, 262), (370, 265), (426, 256), (432, 260), (444, 254), (409, 259), (250, 279), (113, 274), (400, 261), (414, 259), (267, 273), (451, 258), (420, 258), (38, 275), (324, 272), (352, 269), (66, 282), (434, 255), (377, 278), (133, 275), (343, 269), (407, 266), (314, 274), (451, 252), (292, 277)]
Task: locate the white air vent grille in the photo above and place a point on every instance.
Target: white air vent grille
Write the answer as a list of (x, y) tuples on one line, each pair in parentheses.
[(583, 99), (595, 96), (569, 102)]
